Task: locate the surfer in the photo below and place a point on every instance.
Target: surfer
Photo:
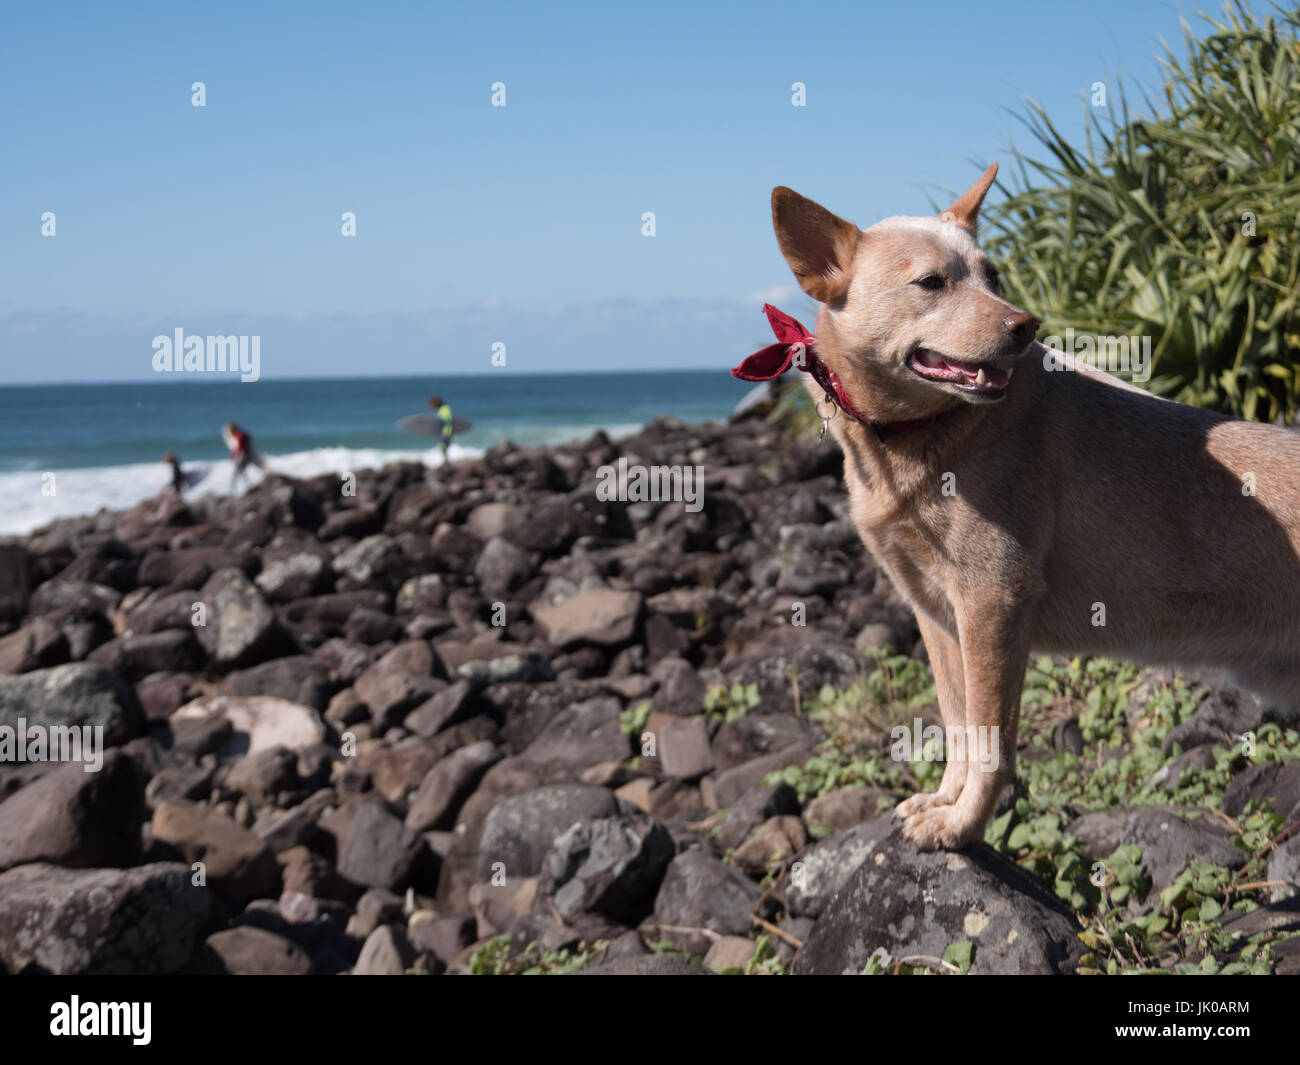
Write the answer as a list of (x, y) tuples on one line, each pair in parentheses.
[(178, 475), (242, 452), (444, 415)]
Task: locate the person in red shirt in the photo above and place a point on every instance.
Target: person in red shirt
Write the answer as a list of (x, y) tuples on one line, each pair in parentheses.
[(242, 452)]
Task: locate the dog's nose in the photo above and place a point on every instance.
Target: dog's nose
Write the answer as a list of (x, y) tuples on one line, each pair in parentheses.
[(1022, 326)]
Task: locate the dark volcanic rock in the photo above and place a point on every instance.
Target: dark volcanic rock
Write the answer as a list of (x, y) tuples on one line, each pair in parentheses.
[(75, 695), (519, 831), (699, 891), (142, 920), (241, 629), (612, 866), (73, 818), (907, 902)]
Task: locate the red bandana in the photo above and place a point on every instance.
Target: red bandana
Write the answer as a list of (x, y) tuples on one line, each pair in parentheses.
[(795, 348)]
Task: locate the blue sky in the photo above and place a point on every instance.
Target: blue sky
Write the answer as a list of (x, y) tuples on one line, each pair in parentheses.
[(478, 224)]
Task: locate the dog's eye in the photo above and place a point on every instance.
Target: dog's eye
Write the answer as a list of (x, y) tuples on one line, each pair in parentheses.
[(994, 281), (931, 282)]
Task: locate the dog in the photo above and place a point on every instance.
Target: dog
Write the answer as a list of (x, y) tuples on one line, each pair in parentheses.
[(1024, 504)]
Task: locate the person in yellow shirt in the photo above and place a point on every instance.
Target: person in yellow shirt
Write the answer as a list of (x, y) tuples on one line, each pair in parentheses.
[(444, 415)]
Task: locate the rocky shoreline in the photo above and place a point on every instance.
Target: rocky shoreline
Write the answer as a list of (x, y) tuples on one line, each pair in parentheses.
[(472, 717)]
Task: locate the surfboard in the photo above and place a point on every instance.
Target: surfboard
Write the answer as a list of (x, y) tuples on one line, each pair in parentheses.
[(431, 425)]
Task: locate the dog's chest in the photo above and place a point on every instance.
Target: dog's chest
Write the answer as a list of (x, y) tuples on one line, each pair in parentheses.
[(902, 542)]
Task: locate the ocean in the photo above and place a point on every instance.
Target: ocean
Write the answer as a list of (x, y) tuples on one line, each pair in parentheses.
[(104, 442)]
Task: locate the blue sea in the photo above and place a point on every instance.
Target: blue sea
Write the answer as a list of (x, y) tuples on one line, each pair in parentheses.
[(104, 442)]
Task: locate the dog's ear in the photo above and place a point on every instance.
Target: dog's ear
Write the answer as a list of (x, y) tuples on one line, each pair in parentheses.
[(818, 245), (966, 210)]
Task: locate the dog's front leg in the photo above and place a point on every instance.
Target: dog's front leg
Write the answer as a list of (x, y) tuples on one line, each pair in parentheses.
[(946, 664), (994, 638)]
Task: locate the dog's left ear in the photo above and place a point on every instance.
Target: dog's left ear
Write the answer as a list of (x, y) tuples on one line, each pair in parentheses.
[(965, 211), (817, 245)]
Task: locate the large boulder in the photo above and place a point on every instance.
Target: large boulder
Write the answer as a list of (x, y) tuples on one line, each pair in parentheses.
[(142, 920), (241, 629), (907, 902), (519, 831), (77, 695), (75, 818), (611, 866)]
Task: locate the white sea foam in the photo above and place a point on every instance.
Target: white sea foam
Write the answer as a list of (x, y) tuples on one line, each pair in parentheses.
[(24, 506)]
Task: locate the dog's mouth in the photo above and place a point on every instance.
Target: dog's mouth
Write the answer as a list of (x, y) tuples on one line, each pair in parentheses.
[(977, 378)]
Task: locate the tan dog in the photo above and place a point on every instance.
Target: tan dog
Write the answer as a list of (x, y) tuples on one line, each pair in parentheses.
[(1023, 509)]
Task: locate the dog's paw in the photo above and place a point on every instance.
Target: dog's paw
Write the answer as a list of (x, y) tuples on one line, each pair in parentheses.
[(941, 828), (914, 804)]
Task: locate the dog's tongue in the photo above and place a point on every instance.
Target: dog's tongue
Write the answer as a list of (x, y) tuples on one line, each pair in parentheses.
[(965, 372)]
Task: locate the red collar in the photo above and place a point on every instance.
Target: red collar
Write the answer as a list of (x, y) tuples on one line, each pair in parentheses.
[(795, 348)]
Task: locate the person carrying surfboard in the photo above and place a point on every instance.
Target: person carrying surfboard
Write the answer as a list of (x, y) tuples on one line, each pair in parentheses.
[(444, 415), (242, 452)]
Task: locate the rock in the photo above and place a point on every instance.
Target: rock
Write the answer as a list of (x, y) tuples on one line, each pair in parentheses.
[(15, 582), (295, 678), (241, 629), (647, 965), (729, 952), (396, 771), (519, 831), (610, 866), (737, 821), (501, 567), (387, 953), (236, 863), (530, 668), (158, 613), (443, 937), (79, 595), (489, 520), (380, 851), (131, 921), (683, 745), (440, 711), (1283, 867), (846, 807), (825, 868), (754, 735), (292, 574), (135, 656), (38, 644), (1168, 841), (699, 891), (907, 903), (447, 785), (362, 559), (776, 840), (248, 951), (724, 789), (401, 680), (262, 775), (76, 695), (581, 736), (74, 818), (600, 615), (1221, 719), (255, 722), (1278, 781), (681, 689)]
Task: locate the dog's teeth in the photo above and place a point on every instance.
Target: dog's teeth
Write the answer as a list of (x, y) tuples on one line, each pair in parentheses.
[(981, 378)]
